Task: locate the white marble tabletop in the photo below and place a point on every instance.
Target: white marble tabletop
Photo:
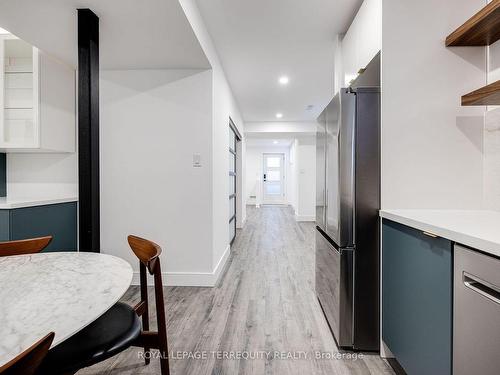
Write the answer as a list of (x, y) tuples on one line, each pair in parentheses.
[(61, 292)]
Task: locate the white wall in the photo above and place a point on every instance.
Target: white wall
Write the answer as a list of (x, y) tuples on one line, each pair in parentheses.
[(362, 41), (180, 113), (152, 122), (300, 175), (338, 68), (224, 106), (491, 168), (49, 175), (432, 148), (293, 186), (306, 179), (254, 171), (42, 175)]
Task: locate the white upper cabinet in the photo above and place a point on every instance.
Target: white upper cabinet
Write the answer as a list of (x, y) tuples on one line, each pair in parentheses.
[(37, 100), (363, 40)]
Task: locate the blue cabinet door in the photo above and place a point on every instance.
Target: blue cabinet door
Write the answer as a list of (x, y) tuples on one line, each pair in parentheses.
[(57, 220), (417, 299), (4, 225)]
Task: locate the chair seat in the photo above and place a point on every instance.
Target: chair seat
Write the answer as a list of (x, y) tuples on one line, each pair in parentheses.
[(110, 334)]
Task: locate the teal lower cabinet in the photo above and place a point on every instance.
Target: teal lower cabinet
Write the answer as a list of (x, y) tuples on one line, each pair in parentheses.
[(417, 299), (58, 220)]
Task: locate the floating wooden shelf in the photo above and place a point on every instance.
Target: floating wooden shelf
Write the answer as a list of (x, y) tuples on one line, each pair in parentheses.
[(487, 95), (482, 29)]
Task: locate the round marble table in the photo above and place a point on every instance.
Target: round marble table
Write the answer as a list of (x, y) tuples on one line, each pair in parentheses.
[(59, 292)]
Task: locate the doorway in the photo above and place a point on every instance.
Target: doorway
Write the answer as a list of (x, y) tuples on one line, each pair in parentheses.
[(273, 179)]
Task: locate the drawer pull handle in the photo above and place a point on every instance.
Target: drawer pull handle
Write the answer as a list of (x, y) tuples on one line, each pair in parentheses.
[(430, 234), (482, 287)]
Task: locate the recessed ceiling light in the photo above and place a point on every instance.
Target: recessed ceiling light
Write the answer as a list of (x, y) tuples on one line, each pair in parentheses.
[(284, 80), (275, 142), (279, 115)]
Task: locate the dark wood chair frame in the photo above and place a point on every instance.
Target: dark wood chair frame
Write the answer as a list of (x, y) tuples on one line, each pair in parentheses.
[(27, 362), (148, 253), (22, 247)]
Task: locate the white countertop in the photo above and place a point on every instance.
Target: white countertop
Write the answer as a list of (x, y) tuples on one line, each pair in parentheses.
[(477, 229), (55, 292), (7, 203)]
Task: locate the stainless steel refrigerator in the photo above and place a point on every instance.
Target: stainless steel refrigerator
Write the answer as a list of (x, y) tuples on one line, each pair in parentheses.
[(347, 204)]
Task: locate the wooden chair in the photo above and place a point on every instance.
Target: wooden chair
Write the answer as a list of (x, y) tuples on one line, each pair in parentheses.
[(21, 247), (120, 327), (28, 361), (148, 253)]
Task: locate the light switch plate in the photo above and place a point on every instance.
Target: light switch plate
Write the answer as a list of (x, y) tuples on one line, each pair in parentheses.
[(196, 161)]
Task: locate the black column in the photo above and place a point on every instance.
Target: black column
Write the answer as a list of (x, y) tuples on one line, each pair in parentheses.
[(88, 130)]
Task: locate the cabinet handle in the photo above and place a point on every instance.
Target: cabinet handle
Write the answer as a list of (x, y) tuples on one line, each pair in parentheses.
[(430, 234), (482, 287)]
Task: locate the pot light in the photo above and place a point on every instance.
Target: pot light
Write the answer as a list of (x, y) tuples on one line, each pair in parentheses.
[(284, 80), (279, 115), (275, 142)]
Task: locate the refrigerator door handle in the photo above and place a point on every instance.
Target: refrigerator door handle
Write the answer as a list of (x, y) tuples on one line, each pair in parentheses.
[(326, 197), (326, 211)]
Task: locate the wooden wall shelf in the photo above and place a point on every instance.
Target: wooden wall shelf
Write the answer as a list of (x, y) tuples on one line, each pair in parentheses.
[(482, 29), (487, 95)]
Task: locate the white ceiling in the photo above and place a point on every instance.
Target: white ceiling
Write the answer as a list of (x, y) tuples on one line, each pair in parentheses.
[(268, 142), (134, 34), (260, 40), (284, 139)]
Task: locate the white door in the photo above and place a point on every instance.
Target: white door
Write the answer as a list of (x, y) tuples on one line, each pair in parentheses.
[(273, 181)]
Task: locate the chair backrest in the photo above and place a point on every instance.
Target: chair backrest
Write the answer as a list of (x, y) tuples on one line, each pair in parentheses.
[(21, 247), (28, 361), (147, 252), (149, 257)]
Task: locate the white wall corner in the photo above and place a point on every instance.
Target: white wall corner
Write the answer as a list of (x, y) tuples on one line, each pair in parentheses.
[(240, 224), (201, 279)]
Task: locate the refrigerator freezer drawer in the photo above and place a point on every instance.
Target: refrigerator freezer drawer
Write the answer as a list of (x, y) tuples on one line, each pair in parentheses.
[(334, 280), (476, 336)]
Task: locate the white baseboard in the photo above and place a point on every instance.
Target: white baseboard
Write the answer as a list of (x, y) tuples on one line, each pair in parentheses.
[(305, 218), (220, 265), (190, 278)]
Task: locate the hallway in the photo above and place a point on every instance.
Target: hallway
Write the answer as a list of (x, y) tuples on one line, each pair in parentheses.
[(263, 304)]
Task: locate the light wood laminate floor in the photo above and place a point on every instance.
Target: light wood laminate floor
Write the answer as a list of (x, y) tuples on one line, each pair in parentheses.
[(264, 303)]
